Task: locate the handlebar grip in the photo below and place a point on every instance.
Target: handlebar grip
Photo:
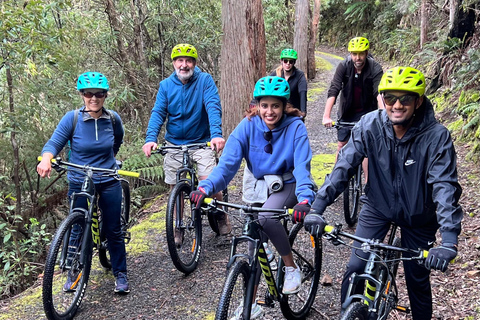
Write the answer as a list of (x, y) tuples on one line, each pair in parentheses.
[(208, 144), (425, 255), (39, 158), (128, 173), (208, 200), (331, 228)]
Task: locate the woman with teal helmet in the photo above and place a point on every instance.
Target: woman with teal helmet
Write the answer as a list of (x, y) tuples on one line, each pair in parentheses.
[(94, 139), (273, 142), (296, 80)]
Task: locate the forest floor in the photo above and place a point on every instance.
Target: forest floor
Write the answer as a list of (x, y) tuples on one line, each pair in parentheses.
[(159, 291)]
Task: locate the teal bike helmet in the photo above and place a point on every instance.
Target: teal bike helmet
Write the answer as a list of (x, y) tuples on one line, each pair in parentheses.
[(271, 87), (92, 80), (289, 54)]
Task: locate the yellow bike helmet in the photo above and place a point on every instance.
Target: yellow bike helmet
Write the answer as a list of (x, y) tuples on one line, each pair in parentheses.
[(184, 50), (358, 44), (403, 79)]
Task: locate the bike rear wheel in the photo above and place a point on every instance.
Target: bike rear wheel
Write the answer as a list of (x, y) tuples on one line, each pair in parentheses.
[(307, 254), (62, 263), (356, 311), (103, 254), (182, 218), (234, 292), (351, 198)]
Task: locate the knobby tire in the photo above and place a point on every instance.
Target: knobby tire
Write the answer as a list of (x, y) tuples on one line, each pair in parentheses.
[(356, 311), (351, 199)]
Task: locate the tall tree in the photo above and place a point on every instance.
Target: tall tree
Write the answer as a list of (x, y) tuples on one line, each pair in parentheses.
[(243, 57), (423, 22), (300, 40), (313, 40)]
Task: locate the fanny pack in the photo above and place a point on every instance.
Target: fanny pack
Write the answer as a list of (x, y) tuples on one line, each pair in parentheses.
[(257, 190)]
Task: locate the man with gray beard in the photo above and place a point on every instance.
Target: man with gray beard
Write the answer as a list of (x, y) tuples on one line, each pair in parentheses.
[(189, 99)]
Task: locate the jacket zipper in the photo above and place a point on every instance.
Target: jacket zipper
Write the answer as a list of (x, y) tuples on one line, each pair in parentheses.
[(96, 130)]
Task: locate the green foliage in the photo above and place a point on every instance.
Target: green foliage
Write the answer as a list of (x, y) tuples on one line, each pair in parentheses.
[(469, 109), (19, 253)]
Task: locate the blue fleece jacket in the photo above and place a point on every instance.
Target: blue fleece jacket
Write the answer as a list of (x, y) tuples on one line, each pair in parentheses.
[(94, 141), (193, 109), (290, 152)]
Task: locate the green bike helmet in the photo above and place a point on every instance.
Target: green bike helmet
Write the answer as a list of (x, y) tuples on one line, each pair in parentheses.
[(271, 87), (184, 50), (92, 80), (289, 54), (358, 44), (403, 79)]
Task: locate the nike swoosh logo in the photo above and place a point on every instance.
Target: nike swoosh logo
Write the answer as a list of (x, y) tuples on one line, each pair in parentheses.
[(429, 243), (409, 162)]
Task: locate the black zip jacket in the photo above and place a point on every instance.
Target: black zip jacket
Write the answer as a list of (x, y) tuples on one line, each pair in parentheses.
[(343, 81), (412, 181)]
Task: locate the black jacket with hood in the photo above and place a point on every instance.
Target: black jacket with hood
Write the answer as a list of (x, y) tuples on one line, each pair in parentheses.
[(412, 181)]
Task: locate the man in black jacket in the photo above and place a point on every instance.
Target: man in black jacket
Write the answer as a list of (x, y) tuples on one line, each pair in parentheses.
[(357, 77), (413, 183)]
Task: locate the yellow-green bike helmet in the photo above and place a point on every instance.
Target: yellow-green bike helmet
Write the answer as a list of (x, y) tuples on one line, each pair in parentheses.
[(403, 79), (184, 50), (358, 44)]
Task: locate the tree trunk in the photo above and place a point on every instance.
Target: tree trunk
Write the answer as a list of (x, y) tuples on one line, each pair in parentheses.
[(423, 23), (313, 40), (242, 57), (13, 141), (453, 9), (300, 40)]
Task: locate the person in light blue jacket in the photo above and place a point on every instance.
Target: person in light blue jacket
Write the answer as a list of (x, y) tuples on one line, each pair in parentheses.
[(272, 143), (189, 99)]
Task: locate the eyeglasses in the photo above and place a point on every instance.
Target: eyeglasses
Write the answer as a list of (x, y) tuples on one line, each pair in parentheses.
[(406, 99), (288, 61), (268, 136), (98, 95)]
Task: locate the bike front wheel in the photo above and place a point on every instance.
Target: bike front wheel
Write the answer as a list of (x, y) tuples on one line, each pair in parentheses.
[(103, 254), (351, 198), (232, 303), (183, 228), (356, 311), (66, 273), (307, 254)]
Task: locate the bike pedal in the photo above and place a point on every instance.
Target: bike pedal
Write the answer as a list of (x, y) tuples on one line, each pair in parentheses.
[(265, 303), (403, 309), (127, 237)]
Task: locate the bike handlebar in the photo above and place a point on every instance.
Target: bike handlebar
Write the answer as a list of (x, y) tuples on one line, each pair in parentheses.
[(58, 161), (342, 124), (163, 149), (285, 212)]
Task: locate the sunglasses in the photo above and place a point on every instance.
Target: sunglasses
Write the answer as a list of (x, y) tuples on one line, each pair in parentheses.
[(268, 136), (98, 95), (407, 99), (288, 61)]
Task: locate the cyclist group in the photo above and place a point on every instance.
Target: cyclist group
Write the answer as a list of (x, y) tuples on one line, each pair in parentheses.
[(412, 159)]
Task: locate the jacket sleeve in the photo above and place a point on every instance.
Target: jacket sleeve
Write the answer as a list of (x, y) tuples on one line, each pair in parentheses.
[(211, 101), (337, 82), (302, 90), (118, 133), (348, 160), (302, 165), (227, 167), (61, 135), (158, 116), (446, 191), (377, 73)]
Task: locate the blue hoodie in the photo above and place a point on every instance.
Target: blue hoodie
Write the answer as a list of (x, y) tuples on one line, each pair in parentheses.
[(193, 109), (290, 152)]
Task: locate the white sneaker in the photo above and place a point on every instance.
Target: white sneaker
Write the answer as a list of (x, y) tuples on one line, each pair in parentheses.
[(256, 312), (292, 281)]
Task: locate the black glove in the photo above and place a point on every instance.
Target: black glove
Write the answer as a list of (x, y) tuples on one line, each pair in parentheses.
[(439, 257), (315, 223), (197, 197), (300, 210)]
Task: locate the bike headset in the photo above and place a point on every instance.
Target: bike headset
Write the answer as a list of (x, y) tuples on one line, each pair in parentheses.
[(405, 79), (184, 50), (289, 54), (358, 44)]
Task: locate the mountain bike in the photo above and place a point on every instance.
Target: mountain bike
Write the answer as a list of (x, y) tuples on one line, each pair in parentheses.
[(181, 215), (74, 258), (351, 195), (380, 293), (242, 268)]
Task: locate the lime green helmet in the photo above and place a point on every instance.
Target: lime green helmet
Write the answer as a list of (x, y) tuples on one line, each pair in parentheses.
[(271, 87), (184, 50), (403, 79), (289, 54), (92, 80), (358, 44)]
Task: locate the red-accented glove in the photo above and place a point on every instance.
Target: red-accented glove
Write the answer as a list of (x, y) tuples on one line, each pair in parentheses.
[(197, 197), (300, 210)]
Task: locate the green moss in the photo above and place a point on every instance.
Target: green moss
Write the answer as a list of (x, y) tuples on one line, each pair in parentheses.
[(322, 64), (456, 126), (329, 55), (142, 232), (322, 164), (314, 93)]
